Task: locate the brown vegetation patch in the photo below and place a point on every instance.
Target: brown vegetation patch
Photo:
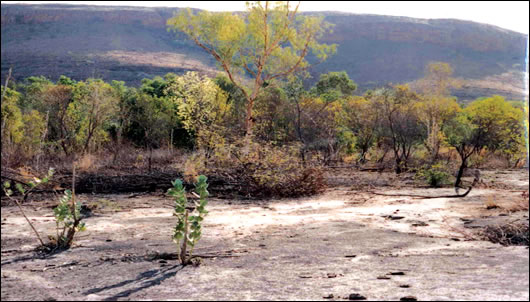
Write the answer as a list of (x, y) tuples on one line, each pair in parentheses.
[(514, 233)]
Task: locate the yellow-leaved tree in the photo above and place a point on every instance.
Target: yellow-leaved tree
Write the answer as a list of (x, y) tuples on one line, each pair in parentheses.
[(202, 108), (437, 106), (492, 124), (268, 42)]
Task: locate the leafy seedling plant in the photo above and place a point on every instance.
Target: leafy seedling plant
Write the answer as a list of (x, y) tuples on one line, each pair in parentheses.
[(25, 190), (68, 220), (188, 229)]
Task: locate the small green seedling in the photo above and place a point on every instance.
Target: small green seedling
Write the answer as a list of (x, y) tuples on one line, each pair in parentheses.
[(188, 228)]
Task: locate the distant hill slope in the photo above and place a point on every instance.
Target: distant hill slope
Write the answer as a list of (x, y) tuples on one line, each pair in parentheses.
[(131, 43)]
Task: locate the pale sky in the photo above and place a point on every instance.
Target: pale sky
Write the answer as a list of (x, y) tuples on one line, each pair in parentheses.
[(511, 15)]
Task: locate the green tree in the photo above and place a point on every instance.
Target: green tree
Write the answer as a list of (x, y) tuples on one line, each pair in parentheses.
[(237, 100), (94, 104), (33, 89), (362, 119), (56, 99), (295, 92), (490, 123), (150, 121), (64, 80), (12, 123), (269, 42), (120, 121), (400, 123), (201, 108), (333, 86), (34, 128)]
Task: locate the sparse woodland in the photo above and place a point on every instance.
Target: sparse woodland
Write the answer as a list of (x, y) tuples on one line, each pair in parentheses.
[(198, 125), (244, 162)]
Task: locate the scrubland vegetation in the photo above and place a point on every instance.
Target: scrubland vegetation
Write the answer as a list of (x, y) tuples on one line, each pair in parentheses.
[(260, 129), (198, 125)]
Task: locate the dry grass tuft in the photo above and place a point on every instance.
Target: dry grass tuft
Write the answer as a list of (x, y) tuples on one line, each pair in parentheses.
[(88, 163), (491, 203), (513, 233)]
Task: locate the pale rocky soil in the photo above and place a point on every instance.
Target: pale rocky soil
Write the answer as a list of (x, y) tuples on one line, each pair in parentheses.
[(336, 243)]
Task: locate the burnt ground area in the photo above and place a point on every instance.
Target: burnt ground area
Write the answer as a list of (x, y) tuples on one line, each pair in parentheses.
[(351, 239)]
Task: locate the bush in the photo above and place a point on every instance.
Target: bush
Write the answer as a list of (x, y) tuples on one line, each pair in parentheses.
[(435, 175), (67, 213), (260, 170), (25, 190)]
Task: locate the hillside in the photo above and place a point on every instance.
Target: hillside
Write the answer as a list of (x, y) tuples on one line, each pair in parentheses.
[(131, 43)]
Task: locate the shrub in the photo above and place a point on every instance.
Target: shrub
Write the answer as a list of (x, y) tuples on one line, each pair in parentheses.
[(435, 175), (67, 213), (188, 227), (25, 190), (263, 170)]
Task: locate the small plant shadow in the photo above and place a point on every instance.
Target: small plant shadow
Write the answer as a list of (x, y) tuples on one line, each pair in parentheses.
[(144, 280), (47, 251)]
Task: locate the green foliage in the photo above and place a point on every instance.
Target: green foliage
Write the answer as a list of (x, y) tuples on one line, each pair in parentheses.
[(400, 127), (12, 124), (66, 81), (269, 42), (273, 116), (67, 219), (67, 215), (490, 123), (201, 106), (150, 119), (188, 228), (434, 175), (361, 121), (334, 85), (94, 104), (32, 89), (34, 128)]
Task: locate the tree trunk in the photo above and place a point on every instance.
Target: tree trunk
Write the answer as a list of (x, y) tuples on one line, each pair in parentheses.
[(42, 139), (380, 161), (398, 165), (183, 259), (463, 166), (398, 160), (249, 123), (171, 143), (71, 231), (150, 157)]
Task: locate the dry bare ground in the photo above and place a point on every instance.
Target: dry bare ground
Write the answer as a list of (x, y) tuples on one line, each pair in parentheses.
[(348, 240)]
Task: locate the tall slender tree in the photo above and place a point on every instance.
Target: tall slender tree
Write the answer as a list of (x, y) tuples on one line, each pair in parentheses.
[(268, 42)]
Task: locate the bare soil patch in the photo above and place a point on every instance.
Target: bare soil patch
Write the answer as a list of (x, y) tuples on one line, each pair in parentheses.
[(333, 246)]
